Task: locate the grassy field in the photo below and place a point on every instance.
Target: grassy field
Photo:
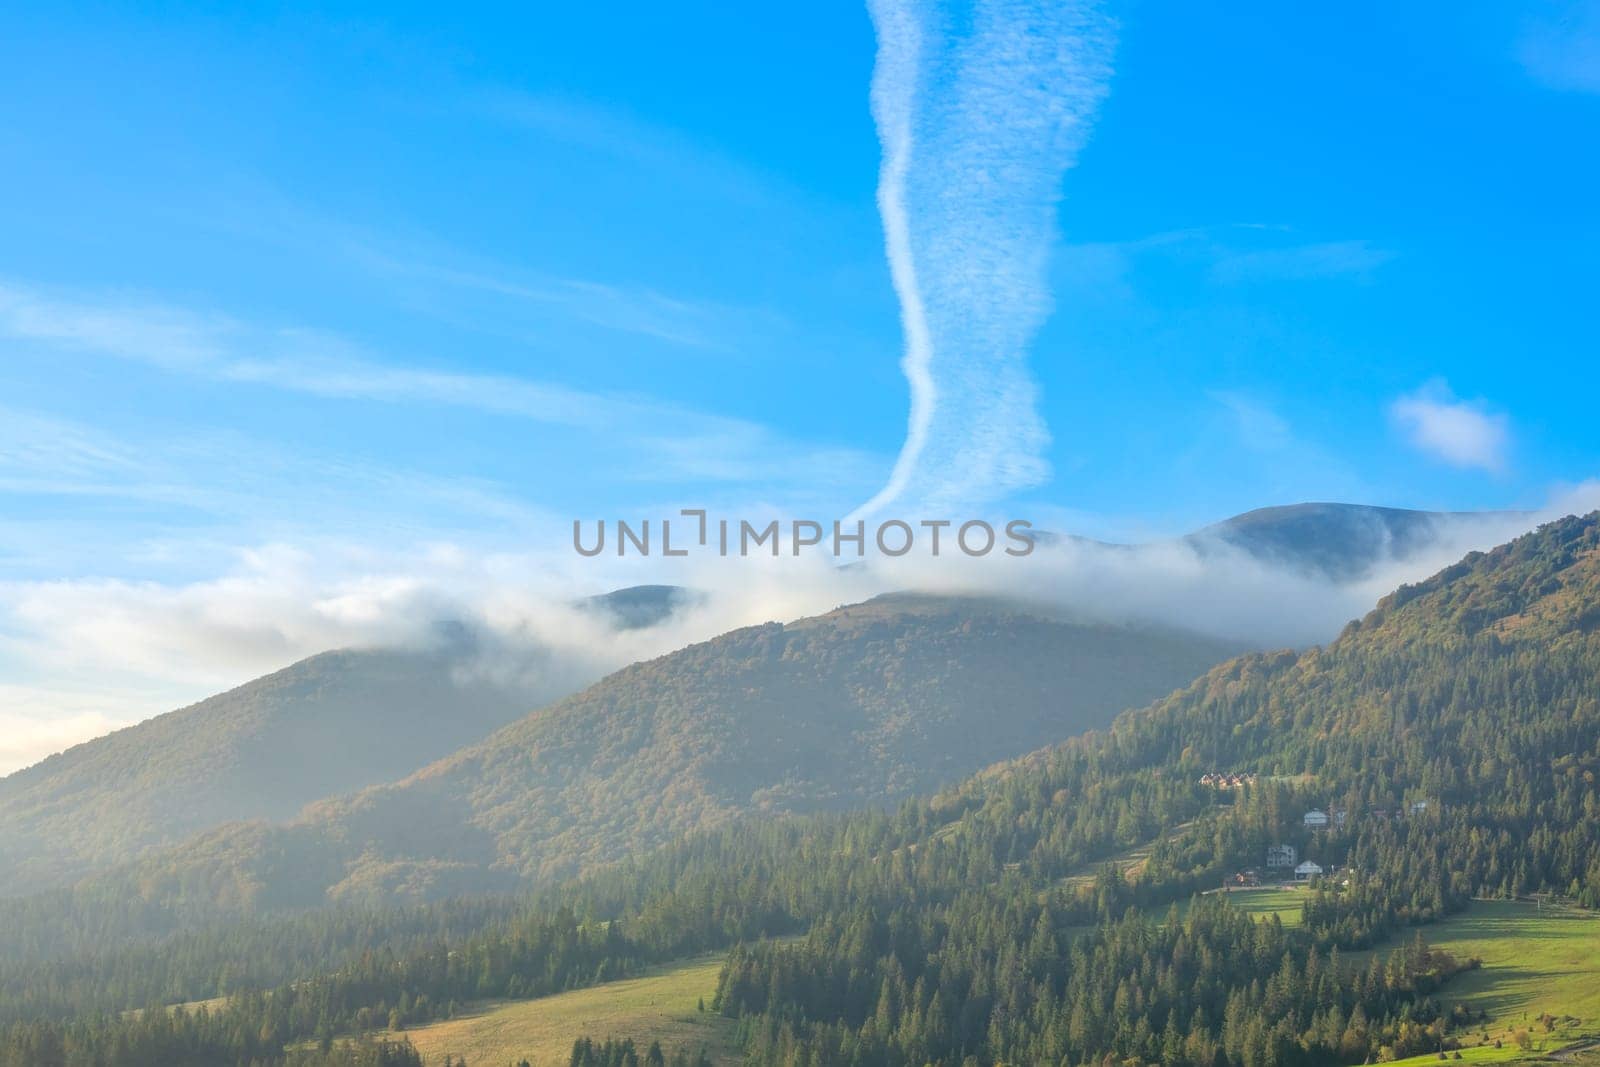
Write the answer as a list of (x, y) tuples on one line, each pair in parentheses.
[(1534, 963), (1284, 903), (661, 1006)]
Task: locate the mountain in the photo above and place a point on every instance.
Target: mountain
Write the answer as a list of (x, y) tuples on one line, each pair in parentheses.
[(1453, 735), (1345, 541), (1453, 732), (1333, 541), (348, 720), (861, 707), (334, 721), (639, 607)]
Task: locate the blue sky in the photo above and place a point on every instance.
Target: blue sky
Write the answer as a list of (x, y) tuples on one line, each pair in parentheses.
[(376, 281)]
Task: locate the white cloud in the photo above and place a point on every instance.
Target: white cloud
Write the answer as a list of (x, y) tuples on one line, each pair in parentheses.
[(26, 737), (1461, 433), (83, 656), (977, 130)]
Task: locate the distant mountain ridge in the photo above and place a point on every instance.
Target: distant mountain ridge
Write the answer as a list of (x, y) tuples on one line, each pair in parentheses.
[(1333, 541), (1338, 541), (639, 607)]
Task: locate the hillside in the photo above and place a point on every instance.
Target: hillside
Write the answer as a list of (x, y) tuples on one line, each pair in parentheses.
[(335, 721), (1501, 645), (861, 707), (1456, 727), (864, 706)]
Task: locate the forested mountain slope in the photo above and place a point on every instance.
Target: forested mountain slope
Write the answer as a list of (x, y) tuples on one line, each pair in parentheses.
[(1456, 728), (1489, 668), (864, 706), (335, 721)]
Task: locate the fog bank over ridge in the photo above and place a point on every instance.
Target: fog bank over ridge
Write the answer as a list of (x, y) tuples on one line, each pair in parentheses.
[(1280, 577)]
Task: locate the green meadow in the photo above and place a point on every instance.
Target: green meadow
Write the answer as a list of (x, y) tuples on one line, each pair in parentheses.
[(660, 1006), (1539, 983)]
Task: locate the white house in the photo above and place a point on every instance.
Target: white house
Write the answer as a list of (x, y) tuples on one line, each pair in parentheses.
[(1281, 856), (1307, 871), (1316, 819)]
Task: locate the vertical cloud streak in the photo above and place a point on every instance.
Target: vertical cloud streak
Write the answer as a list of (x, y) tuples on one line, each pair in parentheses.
[(980, 113)]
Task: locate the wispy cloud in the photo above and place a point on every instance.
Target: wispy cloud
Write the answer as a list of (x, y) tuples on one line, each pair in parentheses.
[(657, 150), (1267, 456), (76, 499), (302, 360), (1222, 255), (39, 447), (632, 309), (434, 277), (978, 125), (1259, 427), (319, 363), (1562, 49), (164, 337), (1462, 433), (1330, 259)]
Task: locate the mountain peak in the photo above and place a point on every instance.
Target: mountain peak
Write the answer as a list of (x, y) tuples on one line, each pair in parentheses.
[(1338, 541)]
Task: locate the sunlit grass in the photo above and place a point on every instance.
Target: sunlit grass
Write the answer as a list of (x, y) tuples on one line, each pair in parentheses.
[(661, 1006)]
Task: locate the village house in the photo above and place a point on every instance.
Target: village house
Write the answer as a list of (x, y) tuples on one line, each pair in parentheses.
[(1316, 819), (1226, 781), (1307, 871), (1281, 856)]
